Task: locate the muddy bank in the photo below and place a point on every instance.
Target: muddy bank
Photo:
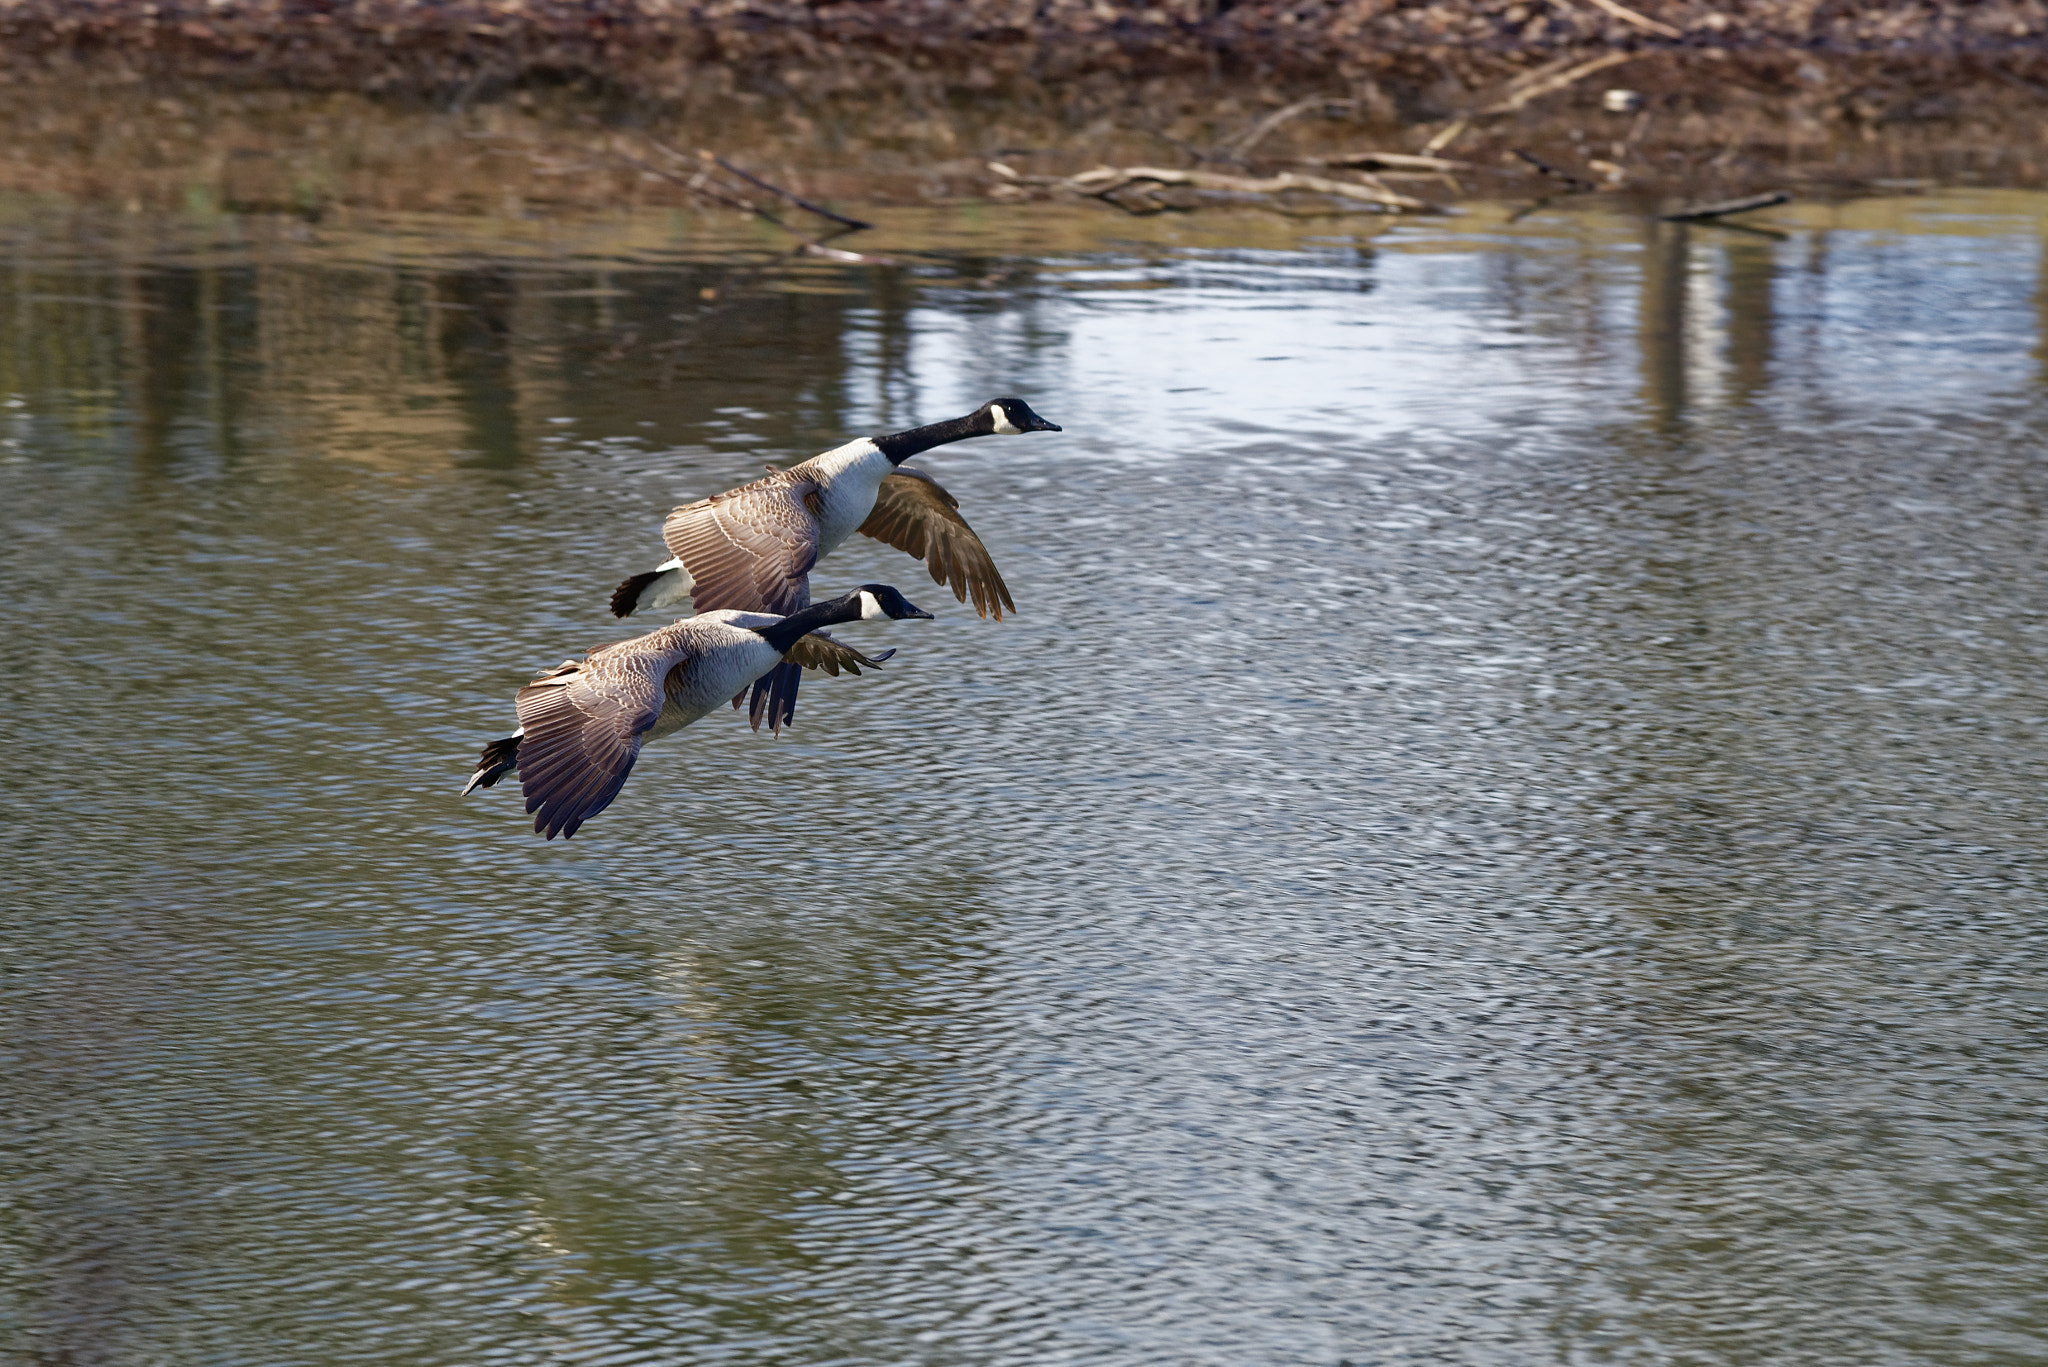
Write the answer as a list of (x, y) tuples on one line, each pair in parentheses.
[(311, 106), (1694, 127)]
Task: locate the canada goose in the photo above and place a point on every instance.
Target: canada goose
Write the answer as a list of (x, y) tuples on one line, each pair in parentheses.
[(582, 723), (752, 548)]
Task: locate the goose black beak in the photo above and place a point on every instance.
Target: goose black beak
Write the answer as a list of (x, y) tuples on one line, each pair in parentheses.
[(919, 612), (1038, 424)]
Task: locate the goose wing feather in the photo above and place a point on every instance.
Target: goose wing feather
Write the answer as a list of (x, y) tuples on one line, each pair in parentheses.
[(582, 724), (820, 651), (751, 548), (914, 513)]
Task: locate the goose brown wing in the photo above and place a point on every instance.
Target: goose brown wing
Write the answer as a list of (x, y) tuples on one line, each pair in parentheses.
[(915, 514), (751, 548), (819, 651), (582, 724)]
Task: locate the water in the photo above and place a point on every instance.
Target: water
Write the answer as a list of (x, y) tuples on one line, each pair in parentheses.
[(1507, 829)]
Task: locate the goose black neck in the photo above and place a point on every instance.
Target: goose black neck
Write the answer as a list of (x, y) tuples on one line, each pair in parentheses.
[(794, 627), (901, 446)]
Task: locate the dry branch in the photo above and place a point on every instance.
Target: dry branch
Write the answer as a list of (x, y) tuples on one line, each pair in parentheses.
[(1578, 185), (1721, 208), (851, 224), (1534, 86), (1241, 147), (1387, 161)]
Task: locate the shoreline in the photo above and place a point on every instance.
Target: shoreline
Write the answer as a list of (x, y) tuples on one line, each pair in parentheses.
[(300, 105)]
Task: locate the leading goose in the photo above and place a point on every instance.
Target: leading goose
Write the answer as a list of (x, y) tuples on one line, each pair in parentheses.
[(582, 723), (752, 548)]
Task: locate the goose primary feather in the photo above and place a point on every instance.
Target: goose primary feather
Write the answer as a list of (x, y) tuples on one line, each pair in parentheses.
[(753, 548), (582, 723)]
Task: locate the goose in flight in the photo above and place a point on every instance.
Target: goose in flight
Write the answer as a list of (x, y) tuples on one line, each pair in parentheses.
[(582, 723), (752, 548)]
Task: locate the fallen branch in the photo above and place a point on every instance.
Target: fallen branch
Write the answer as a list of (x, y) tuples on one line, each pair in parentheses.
[(1387, 161), (1722, 208), (1241, 146), (1107, 180), (1578, 185), (1641, 21), (703, 185), (851, 224), (1521, 92), (1547, 79)]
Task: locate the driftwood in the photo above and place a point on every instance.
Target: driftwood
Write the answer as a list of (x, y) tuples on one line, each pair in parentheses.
[(1105, 181), (1721, 208), (1388, 161)]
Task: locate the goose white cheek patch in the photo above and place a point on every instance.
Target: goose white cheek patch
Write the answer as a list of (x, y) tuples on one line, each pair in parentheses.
[(1003, 424), (871, 608)]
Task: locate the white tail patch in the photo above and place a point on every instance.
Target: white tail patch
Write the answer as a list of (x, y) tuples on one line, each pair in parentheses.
[(670, 586)]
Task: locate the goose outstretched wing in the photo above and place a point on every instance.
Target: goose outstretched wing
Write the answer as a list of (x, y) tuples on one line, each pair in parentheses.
[(581, 726), (915, 514), (751, 548), (819, 651)]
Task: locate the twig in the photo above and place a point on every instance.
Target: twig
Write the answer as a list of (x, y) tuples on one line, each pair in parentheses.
[(1445, 136), (1576, 184), (1519, 93), (1238, 148), (1721, 208), (1641, 21), (700, 184), (1387, 161), (852, 224), (1107, 180), (1534, 84)]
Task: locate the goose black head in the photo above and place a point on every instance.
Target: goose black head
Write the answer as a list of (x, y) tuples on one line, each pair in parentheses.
[(1013, 417), (880, 602)]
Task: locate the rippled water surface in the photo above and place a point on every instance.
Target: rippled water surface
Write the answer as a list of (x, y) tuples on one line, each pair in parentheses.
[(1509, 826)]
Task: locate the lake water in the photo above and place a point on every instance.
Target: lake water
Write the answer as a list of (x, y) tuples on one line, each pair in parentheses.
[(1509, 826)]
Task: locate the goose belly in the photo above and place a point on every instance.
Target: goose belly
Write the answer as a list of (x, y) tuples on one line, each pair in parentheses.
[(697, 686), (847, 491)]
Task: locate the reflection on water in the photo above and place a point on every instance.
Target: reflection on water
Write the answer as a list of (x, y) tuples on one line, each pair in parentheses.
[(1507, 829)]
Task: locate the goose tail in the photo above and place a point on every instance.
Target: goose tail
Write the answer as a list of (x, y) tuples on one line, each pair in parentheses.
[(499, 758), (664, 587)]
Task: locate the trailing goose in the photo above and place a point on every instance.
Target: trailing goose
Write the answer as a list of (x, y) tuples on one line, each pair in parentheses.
[(582, 723), (752, 548)]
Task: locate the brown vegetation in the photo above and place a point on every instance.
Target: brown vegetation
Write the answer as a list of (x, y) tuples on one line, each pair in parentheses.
[(303, 103), (652, 48)]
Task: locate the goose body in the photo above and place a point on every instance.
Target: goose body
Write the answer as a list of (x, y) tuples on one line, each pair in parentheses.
[(785, 522), (804, 511), (582, 723), (752, 548)]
